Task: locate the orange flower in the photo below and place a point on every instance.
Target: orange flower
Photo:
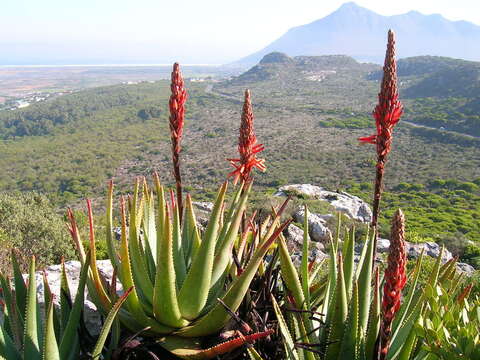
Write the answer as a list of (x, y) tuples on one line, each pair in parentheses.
[(247, 146)]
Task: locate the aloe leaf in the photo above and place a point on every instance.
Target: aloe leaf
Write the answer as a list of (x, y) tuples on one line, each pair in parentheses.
[(97, 351), (100, 292), (69, 336), (291, 352), (364, 284), (329, 292), (150, 232), (12, 313), (138, 316), (432, 280), (178, 256), (290, 275), (363, 254), (114, 337), (401, 337), (408, 347), (349, 342), (112, 253), (337, 324), (48, 297), (7, 348), (31, 341), (253, 354), (165, 300), (194, 292), (65, 298), (374, 318), (161, 211), (304, 265), (191, 349), (447, 271), (50, 349), (20, 287), (292, 281), (230, 213), (190, 234), (223, 255), (408, 302), (218, 316), (348, 260), (140, 274)]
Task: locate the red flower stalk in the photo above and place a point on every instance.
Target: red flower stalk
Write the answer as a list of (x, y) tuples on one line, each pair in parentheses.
[(395, 279), (387, 114), (247, 146), (177, 118), (464, 294)]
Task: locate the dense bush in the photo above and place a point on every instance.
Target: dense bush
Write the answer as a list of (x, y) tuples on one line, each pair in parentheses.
[(29, 223)]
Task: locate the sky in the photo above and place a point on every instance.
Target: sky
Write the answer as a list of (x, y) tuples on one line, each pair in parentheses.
[(160, 31)]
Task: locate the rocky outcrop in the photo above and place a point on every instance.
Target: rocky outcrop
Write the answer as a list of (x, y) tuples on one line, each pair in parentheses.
[(92, 318), (294, 236), (317, 226), (430, 248), (202, 209), (465, 268), (413, 250), (349, 205)]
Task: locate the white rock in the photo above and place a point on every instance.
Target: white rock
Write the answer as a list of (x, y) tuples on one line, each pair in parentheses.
[(465, 268), (382, 246), (92, 317), (430, 248), (350, 205), (317, 228), (294, 236), (203, 205)]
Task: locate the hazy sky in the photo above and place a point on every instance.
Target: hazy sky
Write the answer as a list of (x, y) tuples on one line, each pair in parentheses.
[(190, 31)]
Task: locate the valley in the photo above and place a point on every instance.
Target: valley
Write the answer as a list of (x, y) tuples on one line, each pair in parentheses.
[(309, 112)]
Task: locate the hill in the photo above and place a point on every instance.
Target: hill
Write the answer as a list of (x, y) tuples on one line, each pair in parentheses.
[(360, 33), (309, 113)]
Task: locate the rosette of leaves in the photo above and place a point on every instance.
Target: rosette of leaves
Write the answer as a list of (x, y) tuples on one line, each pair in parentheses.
[(25, 335), (176, 271), (339, 316), (451, 322)]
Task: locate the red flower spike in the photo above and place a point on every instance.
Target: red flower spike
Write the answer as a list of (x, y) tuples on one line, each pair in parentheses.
[(247, 146), (387, 114), (176, 121), (389, 109), (395, 279)]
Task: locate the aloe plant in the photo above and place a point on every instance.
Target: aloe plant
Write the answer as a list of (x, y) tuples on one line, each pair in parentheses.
[(23, 334), (338, 317), (176, 272), (451, 321)]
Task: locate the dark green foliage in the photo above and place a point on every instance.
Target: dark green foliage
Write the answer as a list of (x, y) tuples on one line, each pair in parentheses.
[(447, 211), (29, 223), (452, 114)]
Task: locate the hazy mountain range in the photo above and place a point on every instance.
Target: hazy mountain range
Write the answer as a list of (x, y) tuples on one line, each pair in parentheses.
[(361, 33)]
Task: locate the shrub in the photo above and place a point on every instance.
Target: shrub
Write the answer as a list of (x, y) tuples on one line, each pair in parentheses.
[(29, 223)]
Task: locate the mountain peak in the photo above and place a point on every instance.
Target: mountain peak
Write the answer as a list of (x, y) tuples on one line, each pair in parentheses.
[(276, 57), (350, 7), (361, 33)]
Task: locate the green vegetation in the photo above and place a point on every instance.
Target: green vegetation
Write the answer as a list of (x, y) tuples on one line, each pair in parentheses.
[(444, 211), (26, 333), (29, 223), (454, 114), (67, 148)]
